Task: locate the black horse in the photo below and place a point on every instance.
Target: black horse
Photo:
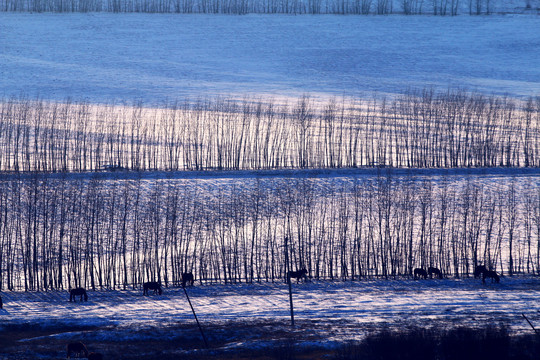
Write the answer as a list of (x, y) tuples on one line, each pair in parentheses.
[(78, 349), (419, 272), (434, 271), (490, 274), (300, 274), (187, 278), (78, 292), (479, 271), (152, 285)]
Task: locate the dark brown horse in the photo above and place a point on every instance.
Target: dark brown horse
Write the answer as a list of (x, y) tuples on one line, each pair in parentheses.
[(187, 278), (77, 349), (434, 271), (95, 356), (300, 274), (419, 272), (479, 271), (490, 274), (78, 292), (152, 285)]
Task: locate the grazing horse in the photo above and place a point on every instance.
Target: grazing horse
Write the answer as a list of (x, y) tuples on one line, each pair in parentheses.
[(479, 270), (300, 274), (78, 349), (490, 274), (434, 271), (152, 285), (187, 278), (78, 292), (95, 356), (419, 272)]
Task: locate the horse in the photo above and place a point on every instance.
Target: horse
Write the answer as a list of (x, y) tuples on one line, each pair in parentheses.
[(95, 356), (479, 271), (419, 272), (78, 349), (78, 292), (300, 274), (187, 278), (152, 285), (490, 274), (434, 271)]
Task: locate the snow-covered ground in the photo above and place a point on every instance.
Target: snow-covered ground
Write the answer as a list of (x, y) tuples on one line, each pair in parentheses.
[(343, 310), (104, 57), (209, 183)]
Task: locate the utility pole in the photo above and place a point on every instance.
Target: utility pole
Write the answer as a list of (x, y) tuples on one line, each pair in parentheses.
[(287, 271)]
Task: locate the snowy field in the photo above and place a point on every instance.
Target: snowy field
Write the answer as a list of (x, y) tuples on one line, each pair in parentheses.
[(326, 312), (103, 57), (209, 183)]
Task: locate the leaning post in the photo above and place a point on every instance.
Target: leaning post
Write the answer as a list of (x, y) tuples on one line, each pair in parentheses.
[(195, 315), (536, 331)]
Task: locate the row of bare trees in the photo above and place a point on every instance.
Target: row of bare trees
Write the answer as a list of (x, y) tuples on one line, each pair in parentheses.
[(448, 7), (416, 130), (241, 7), (60, 232)]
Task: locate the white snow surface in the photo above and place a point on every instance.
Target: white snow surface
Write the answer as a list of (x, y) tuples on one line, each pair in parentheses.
[(103, 57), (346, 310)]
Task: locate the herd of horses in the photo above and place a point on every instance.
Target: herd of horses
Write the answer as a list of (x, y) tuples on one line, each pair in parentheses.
[(302, 274), (479, 271), (419, 272), (79, 350), (187, 279)]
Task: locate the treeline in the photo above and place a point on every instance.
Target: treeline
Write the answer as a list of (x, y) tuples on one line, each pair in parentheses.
[(57, 233), (416, 130), (241, 7)]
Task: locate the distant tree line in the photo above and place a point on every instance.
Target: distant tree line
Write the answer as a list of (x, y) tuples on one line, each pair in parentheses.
[(241, 7), (61, 232), (416, 130)]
